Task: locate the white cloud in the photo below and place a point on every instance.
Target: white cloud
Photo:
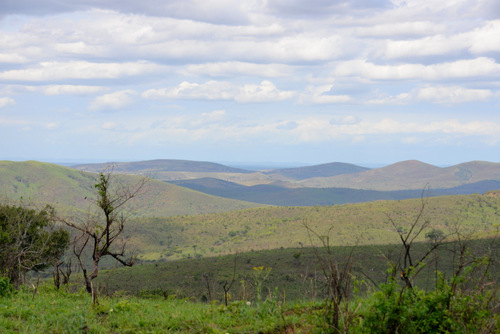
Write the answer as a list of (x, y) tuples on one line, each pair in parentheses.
[(48, 71), (214, 115), (485, 39), (401, 29), (266, 91), (114, 100), (52, 126), (479, 67), (316, 129), (109, 126), (70, 90), (322, 95), (453, 94), (5, 101), (12, 58), (236, 68), (437, 94)]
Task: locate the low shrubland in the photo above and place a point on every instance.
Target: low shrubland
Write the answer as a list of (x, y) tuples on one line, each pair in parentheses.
[(463, 298)]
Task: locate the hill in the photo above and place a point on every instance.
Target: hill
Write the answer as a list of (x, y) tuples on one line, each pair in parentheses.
[(66, 189), (275, 227), (411, 175), (163, 165), (275, 194), (405, 175), (323, 170)]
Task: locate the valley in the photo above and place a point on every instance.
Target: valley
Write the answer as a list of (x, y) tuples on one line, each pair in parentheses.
[(214, 235)]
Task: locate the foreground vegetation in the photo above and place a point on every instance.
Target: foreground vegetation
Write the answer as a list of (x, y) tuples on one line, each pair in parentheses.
[(295, 273), (464, 303)]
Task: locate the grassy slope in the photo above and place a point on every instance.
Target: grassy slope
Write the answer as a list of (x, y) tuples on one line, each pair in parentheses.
[(66, 189), (275, 227), (294, 270)]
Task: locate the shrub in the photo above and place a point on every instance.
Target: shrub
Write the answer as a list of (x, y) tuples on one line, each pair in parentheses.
[(6, 288), (443, 310)]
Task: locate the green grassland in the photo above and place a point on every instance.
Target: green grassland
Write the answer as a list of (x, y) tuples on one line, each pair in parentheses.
[(296, 274), (56, 312), (67, 189), (224, 233), (165, 297)]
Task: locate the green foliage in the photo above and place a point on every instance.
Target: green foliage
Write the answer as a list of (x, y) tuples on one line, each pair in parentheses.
[(264, 228), (28, 240), (6, 288), (60, 312), (445, 309)]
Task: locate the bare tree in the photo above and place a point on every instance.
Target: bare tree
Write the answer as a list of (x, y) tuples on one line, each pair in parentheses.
[(101, 231), (407, 265), (338, 279)]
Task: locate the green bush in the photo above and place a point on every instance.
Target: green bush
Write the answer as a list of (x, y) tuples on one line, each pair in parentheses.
[(6, 288), (446, 309)]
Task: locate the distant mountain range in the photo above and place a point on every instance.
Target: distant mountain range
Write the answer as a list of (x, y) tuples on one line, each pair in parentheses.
[(201, 187), (325, 184)]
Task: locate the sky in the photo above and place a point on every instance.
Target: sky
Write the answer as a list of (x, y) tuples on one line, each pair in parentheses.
[(277, 81)]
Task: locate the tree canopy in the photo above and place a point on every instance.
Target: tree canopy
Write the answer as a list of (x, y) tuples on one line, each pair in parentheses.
[(29, 240)]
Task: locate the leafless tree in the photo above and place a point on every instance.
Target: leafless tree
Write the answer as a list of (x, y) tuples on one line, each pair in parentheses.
[(338, 277), (407, 265), (99, 232)]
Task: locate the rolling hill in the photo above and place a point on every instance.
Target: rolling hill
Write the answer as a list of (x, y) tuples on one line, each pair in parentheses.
[(325, 184), (274, 194), (323, 170), (411, 175), (66, 189), (283, 227), (162, 165), (402, 175)]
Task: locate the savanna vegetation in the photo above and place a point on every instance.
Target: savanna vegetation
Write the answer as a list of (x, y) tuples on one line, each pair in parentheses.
[(415, 266)]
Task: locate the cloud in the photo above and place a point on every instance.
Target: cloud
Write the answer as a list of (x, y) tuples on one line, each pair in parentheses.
[(114, 100), (479, 67), (50, 71), (70, 90), (214, 115), (109, 126), (6, 101), (322, 95), (401, 29), (453, 94), (437, 94), (315, 8), (237, 68), (316, 129), (485, 39), (266, 91), (52, 126), (12, 58)]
